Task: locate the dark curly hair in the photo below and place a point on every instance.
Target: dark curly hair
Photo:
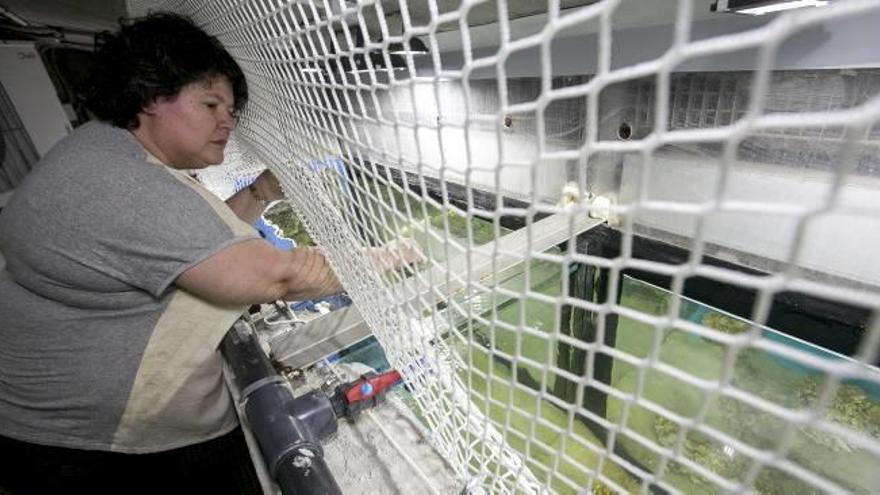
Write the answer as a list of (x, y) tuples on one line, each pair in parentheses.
[(152, 57)]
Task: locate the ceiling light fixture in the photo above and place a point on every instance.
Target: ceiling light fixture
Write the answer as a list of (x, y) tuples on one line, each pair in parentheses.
[(310, 68), (416, 47), (761, 7), (377, 59)]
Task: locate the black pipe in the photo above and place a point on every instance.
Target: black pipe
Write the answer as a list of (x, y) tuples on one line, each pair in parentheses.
[(287, 428), (246, 359), (306, 473)]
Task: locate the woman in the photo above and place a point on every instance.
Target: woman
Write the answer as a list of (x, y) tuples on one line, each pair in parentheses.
[(123, 274)]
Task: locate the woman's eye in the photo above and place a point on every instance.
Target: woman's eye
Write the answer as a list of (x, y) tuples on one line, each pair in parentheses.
[(211, 105)]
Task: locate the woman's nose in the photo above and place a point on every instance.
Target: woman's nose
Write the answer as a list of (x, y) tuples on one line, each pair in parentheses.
[(226, 119)]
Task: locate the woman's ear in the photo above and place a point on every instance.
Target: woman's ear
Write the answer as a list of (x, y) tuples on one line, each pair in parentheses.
[(148, 111), (150, 108)]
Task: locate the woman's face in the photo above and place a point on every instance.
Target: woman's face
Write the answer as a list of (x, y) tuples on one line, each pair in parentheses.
[(191, 128)]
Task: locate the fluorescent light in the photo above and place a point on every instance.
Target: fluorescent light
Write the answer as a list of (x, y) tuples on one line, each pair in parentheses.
[(782, 6), (416, 47), (375, 69)]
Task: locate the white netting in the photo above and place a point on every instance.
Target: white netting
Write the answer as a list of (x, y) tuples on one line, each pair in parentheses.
[(542, 351), (237, 170)]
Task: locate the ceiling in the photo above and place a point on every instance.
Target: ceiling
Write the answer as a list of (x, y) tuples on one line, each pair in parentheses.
[(526, 16)]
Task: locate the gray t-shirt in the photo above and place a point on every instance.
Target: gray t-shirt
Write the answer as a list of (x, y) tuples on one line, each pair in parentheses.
[(98, 348)]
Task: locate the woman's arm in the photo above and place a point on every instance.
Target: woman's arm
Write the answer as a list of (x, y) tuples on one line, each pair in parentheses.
[(253, 272), (250, 202)]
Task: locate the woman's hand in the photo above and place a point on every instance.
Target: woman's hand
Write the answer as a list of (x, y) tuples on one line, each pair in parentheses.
[(268, 186), (395, 254), (249, 203)]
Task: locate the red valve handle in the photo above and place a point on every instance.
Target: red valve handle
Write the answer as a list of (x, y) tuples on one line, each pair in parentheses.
[(377, 383)]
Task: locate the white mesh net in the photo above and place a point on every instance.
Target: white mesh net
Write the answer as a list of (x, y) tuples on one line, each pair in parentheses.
[(712, 328)]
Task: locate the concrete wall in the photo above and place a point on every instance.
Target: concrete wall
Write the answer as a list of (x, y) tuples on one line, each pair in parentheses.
[(787, 167)]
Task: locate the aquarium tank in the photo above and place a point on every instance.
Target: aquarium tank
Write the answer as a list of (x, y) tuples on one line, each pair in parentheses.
[(774, 378)]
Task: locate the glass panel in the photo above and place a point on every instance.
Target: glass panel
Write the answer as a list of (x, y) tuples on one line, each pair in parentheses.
[(503, 364)]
